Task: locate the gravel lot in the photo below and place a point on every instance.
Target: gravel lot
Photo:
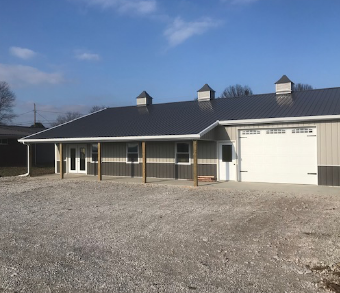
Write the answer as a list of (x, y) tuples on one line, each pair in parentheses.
[(78, 236)]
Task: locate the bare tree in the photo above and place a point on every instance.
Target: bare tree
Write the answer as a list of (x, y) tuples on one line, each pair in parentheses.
[(66, 118), (96, 108), (7, 99), (237, 90), (298, 87)]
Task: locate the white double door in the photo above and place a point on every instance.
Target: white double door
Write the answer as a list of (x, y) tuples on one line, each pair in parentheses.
[(226, 161), (77, 158)]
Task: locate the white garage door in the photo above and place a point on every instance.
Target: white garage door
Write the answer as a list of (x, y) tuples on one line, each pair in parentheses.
[(278, 155)]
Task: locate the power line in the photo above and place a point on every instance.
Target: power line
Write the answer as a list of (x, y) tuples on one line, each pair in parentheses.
[(55, 112), (48, 121), (52, 111), (43, 117), (24, 113)]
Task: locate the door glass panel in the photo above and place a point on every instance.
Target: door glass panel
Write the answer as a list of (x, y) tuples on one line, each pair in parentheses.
[(227, 153), (82, 158), (73, 159)]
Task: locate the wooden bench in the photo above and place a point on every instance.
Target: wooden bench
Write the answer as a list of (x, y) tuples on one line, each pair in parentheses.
[(206, 178)]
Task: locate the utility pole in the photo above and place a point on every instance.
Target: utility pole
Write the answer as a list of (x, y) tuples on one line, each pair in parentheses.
[(35, 115)]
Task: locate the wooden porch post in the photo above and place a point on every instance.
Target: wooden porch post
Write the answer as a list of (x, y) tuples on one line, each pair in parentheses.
[(61, 161), (99, 162), (144, 161), (195, 173)]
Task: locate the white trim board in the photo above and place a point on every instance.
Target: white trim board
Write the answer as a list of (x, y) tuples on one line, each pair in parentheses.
[(279, 120), (112, 139)]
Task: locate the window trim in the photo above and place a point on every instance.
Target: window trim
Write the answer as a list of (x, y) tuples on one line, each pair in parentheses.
[(126, 152), (182, 163)]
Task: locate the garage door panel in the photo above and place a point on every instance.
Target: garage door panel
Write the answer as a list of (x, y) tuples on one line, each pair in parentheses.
[(282, 156)]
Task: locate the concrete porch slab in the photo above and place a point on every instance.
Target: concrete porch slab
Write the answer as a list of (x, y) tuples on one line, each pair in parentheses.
[(275, 187)]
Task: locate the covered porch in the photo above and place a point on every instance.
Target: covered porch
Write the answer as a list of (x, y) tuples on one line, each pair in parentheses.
[(194, 160)]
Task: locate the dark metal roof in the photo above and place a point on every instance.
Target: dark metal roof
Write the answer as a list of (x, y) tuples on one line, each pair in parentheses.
[(144, 94), (11, 131), (183, 118), (206, 88), (284, 79)]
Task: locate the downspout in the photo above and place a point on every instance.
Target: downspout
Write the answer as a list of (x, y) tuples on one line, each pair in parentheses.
[(28, 163)]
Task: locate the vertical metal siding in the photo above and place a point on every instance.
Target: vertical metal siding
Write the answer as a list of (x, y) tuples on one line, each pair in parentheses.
[(207, 152), (329, 143), (114, 152), (160, 152), (329, 175)]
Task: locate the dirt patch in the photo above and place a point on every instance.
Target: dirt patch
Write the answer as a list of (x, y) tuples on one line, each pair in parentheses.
[(16, 171), (330, 276)]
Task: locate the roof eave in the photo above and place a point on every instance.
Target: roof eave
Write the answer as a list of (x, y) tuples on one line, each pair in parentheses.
[(279, 120), (112, 139)]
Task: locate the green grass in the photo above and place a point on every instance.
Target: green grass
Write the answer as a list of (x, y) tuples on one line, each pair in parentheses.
[(36, 171)]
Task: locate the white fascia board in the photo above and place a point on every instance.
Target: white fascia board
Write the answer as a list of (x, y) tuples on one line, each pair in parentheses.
[(210, 127), (279, 120), (111, 139)]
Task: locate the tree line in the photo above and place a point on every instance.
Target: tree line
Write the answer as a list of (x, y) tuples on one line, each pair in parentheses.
[(237, 90)]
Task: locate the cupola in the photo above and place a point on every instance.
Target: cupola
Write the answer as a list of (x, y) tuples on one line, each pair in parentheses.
[(284, 86), (144, 99), (206, 93)]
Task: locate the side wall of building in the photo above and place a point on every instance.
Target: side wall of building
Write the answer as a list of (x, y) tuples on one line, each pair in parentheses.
[(13, 153), (328, 145), (161, 161), (161, 156)]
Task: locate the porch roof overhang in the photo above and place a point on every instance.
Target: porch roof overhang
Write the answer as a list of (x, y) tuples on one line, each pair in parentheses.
[(197, 136)]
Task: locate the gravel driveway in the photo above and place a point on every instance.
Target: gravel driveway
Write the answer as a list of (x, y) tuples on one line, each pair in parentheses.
[(79, 236)]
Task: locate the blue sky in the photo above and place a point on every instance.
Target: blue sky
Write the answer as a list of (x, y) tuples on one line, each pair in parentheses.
[(68, 55)]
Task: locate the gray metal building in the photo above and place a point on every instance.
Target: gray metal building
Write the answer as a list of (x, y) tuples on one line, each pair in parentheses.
[(281, 137)]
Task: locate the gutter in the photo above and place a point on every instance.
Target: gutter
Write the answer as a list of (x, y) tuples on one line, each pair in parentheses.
[(279, 120), (112, 139), (28, 163)]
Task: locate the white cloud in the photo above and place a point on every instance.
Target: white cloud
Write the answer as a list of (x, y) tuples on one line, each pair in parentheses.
[(179, 31), (136, 6), (87, 56), (27, 75), (22, 53)]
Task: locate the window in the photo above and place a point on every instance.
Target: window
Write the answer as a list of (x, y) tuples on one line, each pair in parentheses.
[(132, 153), (3, 141), (276, 131), (182, 153), (302, 130), (248, 132), (227, 153), (94, 152)]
